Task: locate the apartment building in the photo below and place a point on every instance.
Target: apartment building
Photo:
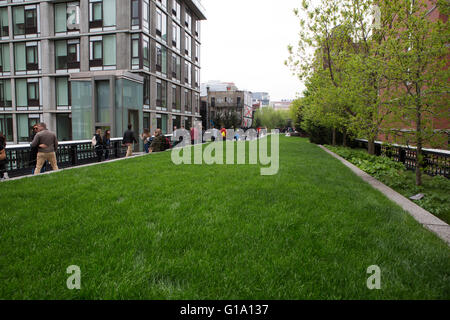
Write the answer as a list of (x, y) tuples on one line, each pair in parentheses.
[(87, 64)]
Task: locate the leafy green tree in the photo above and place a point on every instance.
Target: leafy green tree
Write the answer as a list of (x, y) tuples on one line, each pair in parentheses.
[(417, 48)]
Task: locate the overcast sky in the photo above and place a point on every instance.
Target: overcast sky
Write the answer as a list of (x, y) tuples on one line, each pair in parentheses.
[(245, 42)]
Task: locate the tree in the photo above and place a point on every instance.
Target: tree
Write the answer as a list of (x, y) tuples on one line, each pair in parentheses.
[(418, 67), (270, 118)]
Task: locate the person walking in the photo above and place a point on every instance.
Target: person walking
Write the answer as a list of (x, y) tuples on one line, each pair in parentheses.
[(128, 140), (146, 138), (47, 144), (99, 145), (107, 143), (34, 152), (3, 160), (158, 142)]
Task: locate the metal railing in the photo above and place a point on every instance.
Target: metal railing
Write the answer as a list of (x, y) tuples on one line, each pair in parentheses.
[(435, 162), (69, 154)]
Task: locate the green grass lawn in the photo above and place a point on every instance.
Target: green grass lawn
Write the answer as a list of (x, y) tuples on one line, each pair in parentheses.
[(146, 229)]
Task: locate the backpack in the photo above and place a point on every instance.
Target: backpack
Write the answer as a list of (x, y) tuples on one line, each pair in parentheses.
[(166, 144), (94, 141)]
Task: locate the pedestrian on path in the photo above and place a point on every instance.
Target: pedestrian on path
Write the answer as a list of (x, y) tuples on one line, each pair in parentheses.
[(3, 160), (47, 144), (34, 152), (107, 143), (128, 140), (99, 145)]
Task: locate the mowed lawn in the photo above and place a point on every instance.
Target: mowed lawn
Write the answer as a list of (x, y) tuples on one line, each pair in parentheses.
[(146, 229)]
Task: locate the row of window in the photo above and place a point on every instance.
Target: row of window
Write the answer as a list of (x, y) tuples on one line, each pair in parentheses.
[(102, 56), (28, 95), (102, 16)]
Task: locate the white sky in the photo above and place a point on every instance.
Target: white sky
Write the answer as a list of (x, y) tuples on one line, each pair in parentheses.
[(245, 42)]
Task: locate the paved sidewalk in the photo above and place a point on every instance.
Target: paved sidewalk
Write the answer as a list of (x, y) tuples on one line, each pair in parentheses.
[(425, 218)]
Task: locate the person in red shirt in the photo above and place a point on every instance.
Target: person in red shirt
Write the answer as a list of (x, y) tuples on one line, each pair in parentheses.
[(223, 132)]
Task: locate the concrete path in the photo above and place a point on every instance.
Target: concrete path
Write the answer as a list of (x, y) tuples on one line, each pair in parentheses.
[(425, 218)]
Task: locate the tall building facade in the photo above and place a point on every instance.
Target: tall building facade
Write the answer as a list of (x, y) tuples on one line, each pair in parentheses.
[(87, 64)]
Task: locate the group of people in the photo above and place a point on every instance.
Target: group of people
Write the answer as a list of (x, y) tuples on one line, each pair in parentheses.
[(156, 143), (102, 144)]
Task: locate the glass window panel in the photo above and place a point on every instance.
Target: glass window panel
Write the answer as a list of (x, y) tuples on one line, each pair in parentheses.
[(33, 91), (98, 48), (164, 60), (31, 54), (7, 89), (97, 11), (61, 54), (19, 20), (109, 47), (62, 92), (63, 127), (5, 58), (109, 12), (4, 22), (103, 101), (19, 58), (60, 17), (22, 127), (21, 93)]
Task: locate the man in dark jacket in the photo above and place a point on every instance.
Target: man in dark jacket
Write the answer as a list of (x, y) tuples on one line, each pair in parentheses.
[(47, 144), (128, 140), (158, 142)]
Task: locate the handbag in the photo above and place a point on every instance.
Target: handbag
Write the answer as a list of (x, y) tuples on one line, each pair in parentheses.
[(94, 141)]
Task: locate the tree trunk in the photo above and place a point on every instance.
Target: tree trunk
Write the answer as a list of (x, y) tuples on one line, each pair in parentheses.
[(344, 137), (419, 154), (371, 146), (334, 137)]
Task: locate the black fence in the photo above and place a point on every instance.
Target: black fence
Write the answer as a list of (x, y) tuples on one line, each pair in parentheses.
[(69, 154), (434, 163)]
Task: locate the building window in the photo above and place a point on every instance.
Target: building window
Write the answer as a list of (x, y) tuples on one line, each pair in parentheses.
[(197, 52), (26, 56), (161, 59), (67, 54), (197, 28), (176, 98), (197, 77), (5, 93), (161, 122), (67, 17), (25, 20), (187, 101), (188, 20), (176, 34), (146, 90), (188, 45), (161, 95), (176, 10), (135, 16), (196, 103), (6, 126), (62, 92), (102, 13), (4, 58), (135, 57), (64, 126), (187, 73), (27, 92), (161, 25), (4, 23), (146, 120), (101, 44), (25, 123), (162, 3)]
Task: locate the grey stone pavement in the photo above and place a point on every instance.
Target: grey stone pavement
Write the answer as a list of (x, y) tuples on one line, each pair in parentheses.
[(425, 218)]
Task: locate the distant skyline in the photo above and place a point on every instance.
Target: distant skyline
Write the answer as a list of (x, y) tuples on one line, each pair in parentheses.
[(246, 42)]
